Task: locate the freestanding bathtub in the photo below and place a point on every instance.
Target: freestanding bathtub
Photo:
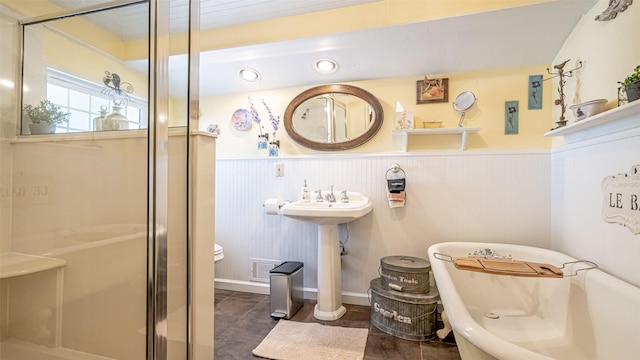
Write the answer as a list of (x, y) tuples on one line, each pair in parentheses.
[(591, 315)]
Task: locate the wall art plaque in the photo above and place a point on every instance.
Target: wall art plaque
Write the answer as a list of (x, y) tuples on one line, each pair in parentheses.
[(621, 199)]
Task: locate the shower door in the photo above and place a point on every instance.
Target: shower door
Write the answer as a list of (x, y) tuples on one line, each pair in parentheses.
[(99, 227)]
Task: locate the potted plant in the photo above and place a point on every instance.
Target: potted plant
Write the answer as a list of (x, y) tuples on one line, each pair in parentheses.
[(44, 117), (632, 85)]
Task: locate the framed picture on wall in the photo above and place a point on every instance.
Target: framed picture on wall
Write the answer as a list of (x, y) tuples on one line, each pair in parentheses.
[(511, 117), (432, 91), (535, 92)]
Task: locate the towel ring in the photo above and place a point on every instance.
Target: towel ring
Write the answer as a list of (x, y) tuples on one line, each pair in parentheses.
[(395, 169)]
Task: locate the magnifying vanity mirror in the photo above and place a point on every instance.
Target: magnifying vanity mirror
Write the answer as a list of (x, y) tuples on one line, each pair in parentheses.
[(463, 103), (333, 117)]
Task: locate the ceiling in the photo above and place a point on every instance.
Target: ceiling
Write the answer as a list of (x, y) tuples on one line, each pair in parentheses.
[(514, 37), (128, 23)]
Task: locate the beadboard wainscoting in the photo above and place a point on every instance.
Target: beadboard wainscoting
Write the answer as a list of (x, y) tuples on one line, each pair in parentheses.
[(578, 226), (451, 196)]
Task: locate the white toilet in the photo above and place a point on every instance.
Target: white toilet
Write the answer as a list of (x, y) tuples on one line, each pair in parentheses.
[(218, 253)]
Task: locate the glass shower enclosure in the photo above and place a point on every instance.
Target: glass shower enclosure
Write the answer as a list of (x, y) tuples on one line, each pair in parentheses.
[(97, 232)]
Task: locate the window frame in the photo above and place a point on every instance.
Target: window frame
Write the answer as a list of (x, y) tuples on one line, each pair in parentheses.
[(75, 83)]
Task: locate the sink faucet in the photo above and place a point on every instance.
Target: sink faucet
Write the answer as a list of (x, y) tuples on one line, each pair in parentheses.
[(330, 197), (319, 195), (344, 198)]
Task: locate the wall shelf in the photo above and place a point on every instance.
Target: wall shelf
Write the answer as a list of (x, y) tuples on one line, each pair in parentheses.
[(16, 264), (607, 122), (462, 131)]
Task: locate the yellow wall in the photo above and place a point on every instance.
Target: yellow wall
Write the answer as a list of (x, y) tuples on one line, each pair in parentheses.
[(492, 88), (74, 46), (87, 63), (76, 27)]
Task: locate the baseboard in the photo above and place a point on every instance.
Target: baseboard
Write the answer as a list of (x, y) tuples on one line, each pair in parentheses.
[(242, 286), (309, 293), (355, 298)]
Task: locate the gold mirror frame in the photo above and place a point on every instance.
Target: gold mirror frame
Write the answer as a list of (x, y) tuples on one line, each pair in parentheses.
[(331, 89)]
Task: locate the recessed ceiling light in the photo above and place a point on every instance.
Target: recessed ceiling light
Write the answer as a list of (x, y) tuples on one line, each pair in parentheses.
[(325, 66), (249, 75)]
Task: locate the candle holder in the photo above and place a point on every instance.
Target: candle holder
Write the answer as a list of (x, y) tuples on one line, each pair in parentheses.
[(274, 148), (263, 140), (560, 72)]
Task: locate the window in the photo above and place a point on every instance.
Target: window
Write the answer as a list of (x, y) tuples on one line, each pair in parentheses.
[(83, 100)]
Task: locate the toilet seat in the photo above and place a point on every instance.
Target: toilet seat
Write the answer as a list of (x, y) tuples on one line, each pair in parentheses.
[(218, 253)]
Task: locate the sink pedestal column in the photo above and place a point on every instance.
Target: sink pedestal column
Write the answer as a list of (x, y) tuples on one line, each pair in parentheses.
[(329, 306)]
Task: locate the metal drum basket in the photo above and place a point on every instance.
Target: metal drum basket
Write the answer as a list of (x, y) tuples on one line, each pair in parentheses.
[(405, 273), (404, 315)]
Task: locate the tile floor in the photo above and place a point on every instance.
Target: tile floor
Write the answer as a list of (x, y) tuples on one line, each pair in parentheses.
[(242, 320)]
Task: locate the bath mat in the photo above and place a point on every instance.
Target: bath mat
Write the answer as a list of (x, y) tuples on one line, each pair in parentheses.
[(292, 340)]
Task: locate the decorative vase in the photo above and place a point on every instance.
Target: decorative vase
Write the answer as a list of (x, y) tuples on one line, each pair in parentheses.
[(38, 129), (99, 121), (274, 148), (561, 123), (633, 91), (263, 140), (115, 120)]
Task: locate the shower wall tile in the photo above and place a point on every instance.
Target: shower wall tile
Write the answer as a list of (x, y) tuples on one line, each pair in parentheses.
[(452, 196), (77, 184)]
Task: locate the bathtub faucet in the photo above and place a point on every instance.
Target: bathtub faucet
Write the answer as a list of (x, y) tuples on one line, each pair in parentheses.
[(488, 254)]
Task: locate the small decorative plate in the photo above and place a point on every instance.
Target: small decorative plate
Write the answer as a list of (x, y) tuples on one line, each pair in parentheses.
[(241, 120)]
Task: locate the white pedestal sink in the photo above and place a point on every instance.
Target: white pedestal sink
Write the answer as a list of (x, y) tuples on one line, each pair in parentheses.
[(328, 215)]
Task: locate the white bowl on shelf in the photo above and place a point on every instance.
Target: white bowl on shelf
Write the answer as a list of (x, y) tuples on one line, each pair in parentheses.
[(587, 109)]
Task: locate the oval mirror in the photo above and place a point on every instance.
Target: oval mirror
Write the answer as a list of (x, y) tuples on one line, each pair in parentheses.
[(463, 103), (333, 117)]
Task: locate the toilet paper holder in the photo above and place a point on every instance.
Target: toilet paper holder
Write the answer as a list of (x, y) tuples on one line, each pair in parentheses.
[(273, 206)]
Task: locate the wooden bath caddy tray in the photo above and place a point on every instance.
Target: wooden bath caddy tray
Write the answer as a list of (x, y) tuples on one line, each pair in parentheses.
[(513, 267), (508, 267)]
